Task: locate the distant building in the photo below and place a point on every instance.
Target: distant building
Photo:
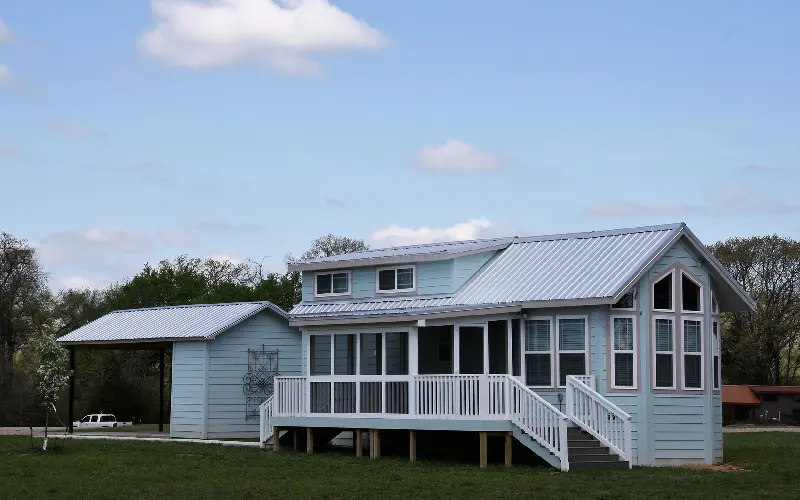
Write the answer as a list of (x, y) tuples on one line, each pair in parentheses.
[(761, 404)]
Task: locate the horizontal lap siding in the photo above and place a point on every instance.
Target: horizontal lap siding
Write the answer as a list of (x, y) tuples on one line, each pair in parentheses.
[(188, 395), (228, 361), (629, 403), (465, 268), (679, 429), (717, 408)]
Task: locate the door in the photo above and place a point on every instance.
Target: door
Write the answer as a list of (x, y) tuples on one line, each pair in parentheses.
[(470, 349)]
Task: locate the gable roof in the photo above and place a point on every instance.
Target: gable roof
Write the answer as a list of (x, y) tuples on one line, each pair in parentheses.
[(588, 268), (403, 255), (189, 322)]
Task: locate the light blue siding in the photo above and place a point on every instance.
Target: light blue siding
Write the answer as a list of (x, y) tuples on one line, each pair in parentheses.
[(227, 365), (679, 425), (441, 277), (717, 410), (187, 409)]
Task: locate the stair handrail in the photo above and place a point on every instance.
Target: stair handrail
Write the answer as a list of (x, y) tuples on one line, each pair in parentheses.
[(265, 420), (545, 435), (606, 430)]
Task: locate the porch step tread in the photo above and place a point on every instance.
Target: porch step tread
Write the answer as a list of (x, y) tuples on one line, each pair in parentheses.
[(619, 464), (590, 459)]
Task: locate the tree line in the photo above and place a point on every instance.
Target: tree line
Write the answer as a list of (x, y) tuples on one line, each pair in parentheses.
[(759, 347)]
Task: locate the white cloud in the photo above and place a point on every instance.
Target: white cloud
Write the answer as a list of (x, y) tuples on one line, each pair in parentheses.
[(5, 75), (92, 243), (398, 235), (75, 130), (80, 282), (5, 33), (457, 156), (284, 34), (225, 257)]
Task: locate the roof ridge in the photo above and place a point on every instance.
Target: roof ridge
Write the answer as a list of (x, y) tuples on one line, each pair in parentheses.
[(186, 306), (600, 233)]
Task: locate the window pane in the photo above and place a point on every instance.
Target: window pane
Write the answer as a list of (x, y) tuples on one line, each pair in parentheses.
[(320, 355), (623, 334), (386, 279), (662, 293), (324, 283), (663, 334), (623, 369), (572, 335), (515, 354), (571, 364), (371, 355), (537, 369), (344, 354), (693, 371), (445, 346), (537, 335), (664, 370), (397, 353), (691, 294), (716, 372), (691, 336), (340, 283), (626, 302), (405, 278)]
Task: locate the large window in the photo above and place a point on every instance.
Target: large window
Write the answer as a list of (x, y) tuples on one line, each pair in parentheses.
[(344, 354), (691, 294), (664, 293), (664, 347), (538, 353), (692, 354), (623, 359), (715, 339), (573, 353), (332, 284), (382, 353), (320, 348), (396, 279)]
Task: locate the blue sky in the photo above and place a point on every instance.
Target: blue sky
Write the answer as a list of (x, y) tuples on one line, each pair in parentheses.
[(135, 131)]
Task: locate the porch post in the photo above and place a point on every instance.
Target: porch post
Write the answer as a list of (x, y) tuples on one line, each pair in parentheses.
[(71, 411), (486, 348), (413, 369), (522, 350), (456, 350), (161, 390), (509, 350)]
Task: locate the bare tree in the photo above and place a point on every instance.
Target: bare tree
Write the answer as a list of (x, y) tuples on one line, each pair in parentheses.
[(326, 246), (763, 346)]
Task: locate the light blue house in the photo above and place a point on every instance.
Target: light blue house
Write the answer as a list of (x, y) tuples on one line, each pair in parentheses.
[(591, 349), (224, 360)]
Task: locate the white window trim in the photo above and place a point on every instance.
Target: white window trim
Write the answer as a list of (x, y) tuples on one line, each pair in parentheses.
[(672, 352), (615, 351), (349, 291), (696, 282), (396, 290), (671, 273), (525, 351), (635, 298), (716, 351), (557, 350), (701, 354)]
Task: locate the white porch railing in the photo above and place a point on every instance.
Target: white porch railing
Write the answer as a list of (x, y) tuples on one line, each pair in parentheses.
[(588, 380), (265, 420), (439, 397), (599, 417)]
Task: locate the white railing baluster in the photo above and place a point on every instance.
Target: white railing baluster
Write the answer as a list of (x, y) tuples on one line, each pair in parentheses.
[(599, 417)]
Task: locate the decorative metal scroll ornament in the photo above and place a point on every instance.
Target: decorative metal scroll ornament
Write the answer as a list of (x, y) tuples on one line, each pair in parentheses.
[(259, 381)]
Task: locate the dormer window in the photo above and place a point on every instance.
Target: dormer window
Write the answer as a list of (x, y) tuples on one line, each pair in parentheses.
[(332, 284), (627, 302), (692, 294), (396, 279), (663, 293)]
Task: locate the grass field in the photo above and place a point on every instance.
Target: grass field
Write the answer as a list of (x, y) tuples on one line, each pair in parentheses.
[(129, 470)]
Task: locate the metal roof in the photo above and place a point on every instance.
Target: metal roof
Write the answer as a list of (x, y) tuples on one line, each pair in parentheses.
[(190, 322), (405, 254), (564, 269)]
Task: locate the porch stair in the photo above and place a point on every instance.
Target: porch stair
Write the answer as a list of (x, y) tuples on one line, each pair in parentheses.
[(586, 452)]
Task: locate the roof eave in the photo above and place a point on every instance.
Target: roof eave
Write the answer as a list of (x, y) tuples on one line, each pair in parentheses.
[(398, 259), (403, 317)]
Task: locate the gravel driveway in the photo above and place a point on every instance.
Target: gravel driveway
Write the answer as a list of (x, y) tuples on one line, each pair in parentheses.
[(760, 429), (26, 431)]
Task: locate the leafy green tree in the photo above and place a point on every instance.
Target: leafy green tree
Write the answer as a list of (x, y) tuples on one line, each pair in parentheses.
[(763, 346)]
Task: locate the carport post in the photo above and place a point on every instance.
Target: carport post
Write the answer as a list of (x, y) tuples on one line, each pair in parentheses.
[(71, 410), (161, 390)]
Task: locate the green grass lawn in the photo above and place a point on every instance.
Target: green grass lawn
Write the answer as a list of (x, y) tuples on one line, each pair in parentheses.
[(130, 470)]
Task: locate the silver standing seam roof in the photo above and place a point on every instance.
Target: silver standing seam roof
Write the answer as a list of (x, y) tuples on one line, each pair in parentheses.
[(189, 322), (567, 269)]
